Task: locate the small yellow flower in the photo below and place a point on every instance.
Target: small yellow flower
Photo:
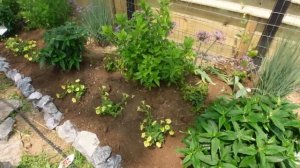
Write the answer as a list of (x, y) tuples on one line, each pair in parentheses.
[(162, 121), (103, 87), (138, 108), (171, 132), (149, 139), (30, 58), (158, 144), (77, 89), (143, 135), (82, 87), (162, 129), (57, 95), (69, 90), (167, 127), (154, 122), (63, 87), (26, 56), (74, 100), (141, 127), (168, 121), (146, 144), (77, 80)]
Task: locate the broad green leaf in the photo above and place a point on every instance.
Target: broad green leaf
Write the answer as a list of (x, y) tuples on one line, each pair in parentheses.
[(275, 159), (247, 150), (208, 160), (293, 123), (276, 121), (274, 149), (248, 161), (215, 144)]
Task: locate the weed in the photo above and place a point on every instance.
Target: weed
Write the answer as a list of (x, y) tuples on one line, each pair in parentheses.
[(111, 63), (37, 161), (26, 106), (5, 83), (196, 95)]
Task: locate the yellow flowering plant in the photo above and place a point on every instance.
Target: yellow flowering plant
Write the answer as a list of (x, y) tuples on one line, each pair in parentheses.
[(109, 107), (27, 49), (154, 131), (76, 88)]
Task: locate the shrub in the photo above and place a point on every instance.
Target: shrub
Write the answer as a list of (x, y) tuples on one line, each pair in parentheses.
[(98, 14), (280, 74), (9, 15), (108, 107), (44, 13), (261, 131), (153, 131), (145, 52), (64, 46), (196, 95), (27, 49)]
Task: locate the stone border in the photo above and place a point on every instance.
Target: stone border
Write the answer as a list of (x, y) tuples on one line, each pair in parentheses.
[(87, 143)]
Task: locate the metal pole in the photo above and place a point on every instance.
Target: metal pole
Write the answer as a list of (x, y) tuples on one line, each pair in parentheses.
[(271, 28)]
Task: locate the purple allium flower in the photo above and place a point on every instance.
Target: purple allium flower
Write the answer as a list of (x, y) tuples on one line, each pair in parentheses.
[(219, 36), (204, 36), (245, 63)]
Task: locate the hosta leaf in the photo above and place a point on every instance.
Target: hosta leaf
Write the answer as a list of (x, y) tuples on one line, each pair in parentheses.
[(248, 161), (274, 149)]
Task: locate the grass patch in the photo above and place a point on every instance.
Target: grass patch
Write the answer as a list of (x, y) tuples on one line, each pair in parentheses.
[(26, 106), (5, 83)]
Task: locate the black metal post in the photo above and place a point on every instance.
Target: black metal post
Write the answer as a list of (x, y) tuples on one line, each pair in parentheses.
[(130, 8), (271, 28)]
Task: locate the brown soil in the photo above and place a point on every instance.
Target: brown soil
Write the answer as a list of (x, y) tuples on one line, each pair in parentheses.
[(121, 133)]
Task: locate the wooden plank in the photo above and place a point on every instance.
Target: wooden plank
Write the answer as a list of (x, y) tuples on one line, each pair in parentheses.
[(248, 34)]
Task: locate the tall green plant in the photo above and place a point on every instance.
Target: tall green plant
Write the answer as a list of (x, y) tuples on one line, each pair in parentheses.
[(98, 14), (146, 54), (280, 74), (9, 15), (44, 13)]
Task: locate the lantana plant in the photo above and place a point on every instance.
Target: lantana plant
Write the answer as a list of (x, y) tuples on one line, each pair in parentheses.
[(154, 131), (76, 88)]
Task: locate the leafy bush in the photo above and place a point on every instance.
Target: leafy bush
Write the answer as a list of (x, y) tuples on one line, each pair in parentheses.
[(145, 52), (111, 63), (76, 88), (27, 49), (261, 131), (44, 13), (280, 74), (108, 107), (64, 46), (196, 95), (154, 132), (98, 14), (9, 15)]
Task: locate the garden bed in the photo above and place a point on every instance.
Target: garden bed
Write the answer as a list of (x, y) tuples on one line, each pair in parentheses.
[(121, 133)]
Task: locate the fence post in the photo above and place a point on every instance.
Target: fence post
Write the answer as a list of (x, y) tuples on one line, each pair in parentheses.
[(271, 28), (130, 8)]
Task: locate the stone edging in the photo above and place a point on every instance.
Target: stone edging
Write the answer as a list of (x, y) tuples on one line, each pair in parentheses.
[(87, 143)]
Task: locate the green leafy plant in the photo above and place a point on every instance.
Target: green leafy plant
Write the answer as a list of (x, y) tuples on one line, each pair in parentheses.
[(44, 13), (196, 95), (9, 16), (109, 107), (5, 83), (204, 76), (27, 49), (76, 88), (111, 63), (153, 131), (280, 74), (97, 14), (35, 161), (260, 131), (146, 54), (64, 46)]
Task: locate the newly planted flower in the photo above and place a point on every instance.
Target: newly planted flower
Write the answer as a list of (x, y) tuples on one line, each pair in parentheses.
[(154, 131), (76, 89)]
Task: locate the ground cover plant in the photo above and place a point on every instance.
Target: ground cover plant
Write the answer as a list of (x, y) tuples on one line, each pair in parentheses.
[(64, 46), (75, 88), (27, 49), (9, 16), (196, 95), (111, 63), (260, 131), (109, 107), (280, 74), (44, 13), (146, 54), (154, 131), (96, 15)]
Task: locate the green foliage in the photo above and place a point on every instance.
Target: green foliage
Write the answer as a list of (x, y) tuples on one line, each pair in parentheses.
[(44, 13), (196, 95), (76, 88), (109, 107), (27, 49), (146, 54), (261, 131), (64, 46), (204, 76), (5, 83), (280, 74), (9, 15), (153, 132), (98, 14), (111, 63), (38, 161)]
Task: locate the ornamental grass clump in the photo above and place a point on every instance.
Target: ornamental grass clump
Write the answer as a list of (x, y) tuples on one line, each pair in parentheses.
[(146, 54), (280, 74), (260, 131), (154, 131)]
